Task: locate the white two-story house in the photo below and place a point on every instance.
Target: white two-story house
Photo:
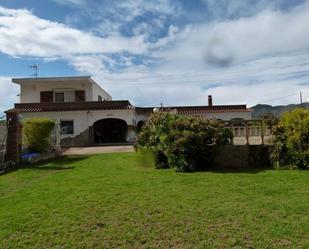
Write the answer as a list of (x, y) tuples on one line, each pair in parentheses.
[(86, 114)]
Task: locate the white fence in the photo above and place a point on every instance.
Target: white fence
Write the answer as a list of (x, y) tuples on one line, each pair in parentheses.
[(253, 132)]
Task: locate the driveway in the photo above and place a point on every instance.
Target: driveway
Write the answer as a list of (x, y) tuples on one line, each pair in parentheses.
[(77, 151)]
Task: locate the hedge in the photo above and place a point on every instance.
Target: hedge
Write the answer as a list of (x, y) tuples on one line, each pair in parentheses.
[(36, 133), (180, 142)]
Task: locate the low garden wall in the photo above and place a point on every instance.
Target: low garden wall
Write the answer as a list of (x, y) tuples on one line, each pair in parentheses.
[(242, 156)]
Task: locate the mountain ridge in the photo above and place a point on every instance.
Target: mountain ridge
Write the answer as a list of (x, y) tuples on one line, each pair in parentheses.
[(261, 110)]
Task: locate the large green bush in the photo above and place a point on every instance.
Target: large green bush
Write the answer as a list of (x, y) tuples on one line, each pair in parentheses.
[(183, 143), (36, 133), (291, 140)]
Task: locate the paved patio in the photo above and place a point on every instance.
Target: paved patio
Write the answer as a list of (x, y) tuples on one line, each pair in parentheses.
[(76, 151)]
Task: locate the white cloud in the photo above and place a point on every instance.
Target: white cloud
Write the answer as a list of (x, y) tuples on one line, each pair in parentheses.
[(71, 2), (8, 94), (225, 9), (246, 60), (267, 80), (132, 8), (268, 33), (138, 7), (23, 34), (113, 17)]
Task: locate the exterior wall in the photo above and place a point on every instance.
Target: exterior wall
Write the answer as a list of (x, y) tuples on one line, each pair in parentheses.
[(97, 90), (226, 116), (80, 118), (83, 120), (141, 117), (31, 93)]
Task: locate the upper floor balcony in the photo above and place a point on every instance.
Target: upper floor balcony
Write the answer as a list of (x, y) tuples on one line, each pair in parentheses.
[(60, 90)]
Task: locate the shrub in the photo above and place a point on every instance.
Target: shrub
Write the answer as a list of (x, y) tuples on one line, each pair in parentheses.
[(183, 143), (36, 133), (291, 140)]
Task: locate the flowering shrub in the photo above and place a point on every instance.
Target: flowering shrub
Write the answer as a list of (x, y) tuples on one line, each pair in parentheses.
[(291, 140), (183, 143)]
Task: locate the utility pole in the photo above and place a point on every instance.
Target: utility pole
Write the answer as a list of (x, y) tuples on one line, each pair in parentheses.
[(301, 98)]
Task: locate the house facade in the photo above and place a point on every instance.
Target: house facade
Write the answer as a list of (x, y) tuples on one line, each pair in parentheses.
[(87, 115)]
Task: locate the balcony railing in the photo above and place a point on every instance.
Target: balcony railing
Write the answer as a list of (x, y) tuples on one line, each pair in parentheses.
[(251, 132)]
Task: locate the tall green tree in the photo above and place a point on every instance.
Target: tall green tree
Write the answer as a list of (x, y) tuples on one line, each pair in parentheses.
[(291, 141)]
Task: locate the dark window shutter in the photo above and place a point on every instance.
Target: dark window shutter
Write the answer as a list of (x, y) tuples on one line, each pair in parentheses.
[(79, 95), (46, 97)]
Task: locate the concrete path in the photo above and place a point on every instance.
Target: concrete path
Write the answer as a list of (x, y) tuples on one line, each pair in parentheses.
[(77, 151)]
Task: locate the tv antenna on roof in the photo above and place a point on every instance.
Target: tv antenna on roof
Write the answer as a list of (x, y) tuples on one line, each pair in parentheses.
[(35, 69)]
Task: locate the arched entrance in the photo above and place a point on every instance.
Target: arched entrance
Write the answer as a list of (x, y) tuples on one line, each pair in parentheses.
[(139, 126), (110, 130)]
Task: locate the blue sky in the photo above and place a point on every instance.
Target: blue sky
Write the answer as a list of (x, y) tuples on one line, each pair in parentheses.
[(171, 51)]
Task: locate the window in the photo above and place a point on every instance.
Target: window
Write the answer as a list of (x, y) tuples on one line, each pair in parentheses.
[(66, 127), (79, 95), (46, 97), (100, 98), (59, 97)]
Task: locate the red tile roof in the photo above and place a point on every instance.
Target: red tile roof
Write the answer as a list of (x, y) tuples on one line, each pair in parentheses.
[(122, 105), (189, 110), (211, 109), (72, 106)]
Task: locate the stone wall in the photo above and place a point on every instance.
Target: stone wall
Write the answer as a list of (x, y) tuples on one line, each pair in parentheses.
[(81, 140), (243, 156)]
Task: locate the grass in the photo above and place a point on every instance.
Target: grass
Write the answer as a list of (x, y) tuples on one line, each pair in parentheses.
[(118, 201)]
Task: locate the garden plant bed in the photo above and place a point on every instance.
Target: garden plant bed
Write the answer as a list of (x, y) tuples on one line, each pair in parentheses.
[(118, 200)]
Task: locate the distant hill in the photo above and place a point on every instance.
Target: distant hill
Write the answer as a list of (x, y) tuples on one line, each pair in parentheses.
[(261, 110)]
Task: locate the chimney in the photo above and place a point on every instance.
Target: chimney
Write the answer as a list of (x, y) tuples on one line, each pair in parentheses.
[(209, 100)]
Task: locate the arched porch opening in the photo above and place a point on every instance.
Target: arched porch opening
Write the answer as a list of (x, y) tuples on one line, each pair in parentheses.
[(110, 130), (139, 126)]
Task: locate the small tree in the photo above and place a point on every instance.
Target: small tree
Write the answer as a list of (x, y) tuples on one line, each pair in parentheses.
[(184, 143), (36, 133), (291, 140)]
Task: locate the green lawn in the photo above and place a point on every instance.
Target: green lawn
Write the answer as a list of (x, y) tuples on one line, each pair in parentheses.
[(118, 201)]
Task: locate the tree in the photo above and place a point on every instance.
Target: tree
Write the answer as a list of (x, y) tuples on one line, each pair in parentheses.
[(291, 140)]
